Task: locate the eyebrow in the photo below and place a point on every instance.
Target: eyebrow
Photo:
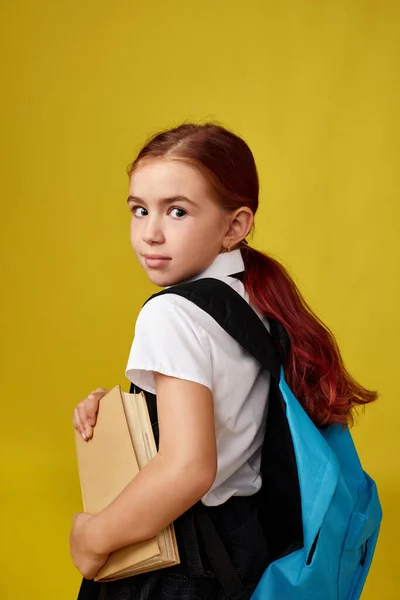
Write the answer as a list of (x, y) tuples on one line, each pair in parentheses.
[(165, 201)]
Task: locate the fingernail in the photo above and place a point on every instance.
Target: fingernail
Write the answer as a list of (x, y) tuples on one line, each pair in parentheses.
[(84, 436)]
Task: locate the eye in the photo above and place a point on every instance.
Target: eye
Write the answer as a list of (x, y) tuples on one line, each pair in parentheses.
[(178, 213), (138, 211)]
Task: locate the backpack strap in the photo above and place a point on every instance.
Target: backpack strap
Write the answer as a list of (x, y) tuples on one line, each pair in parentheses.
[(234, 315), (279, 498)]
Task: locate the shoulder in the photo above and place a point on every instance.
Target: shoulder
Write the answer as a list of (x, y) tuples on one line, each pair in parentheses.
[(167, 308), (176, 304), (170, 317), (169, 340)]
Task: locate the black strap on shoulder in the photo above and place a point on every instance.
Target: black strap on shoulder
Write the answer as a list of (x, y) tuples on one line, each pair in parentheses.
[(279, 498), (234, 315)]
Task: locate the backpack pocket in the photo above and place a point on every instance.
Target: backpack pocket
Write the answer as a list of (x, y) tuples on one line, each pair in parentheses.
[(359, 544)]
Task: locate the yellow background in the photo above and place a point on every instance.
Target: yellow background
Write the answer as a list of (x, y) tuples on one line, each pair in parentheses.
[(314, 89)]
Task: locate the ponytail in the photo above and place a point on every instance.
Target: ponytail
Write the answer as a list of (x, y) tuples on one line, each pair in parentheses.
[(314, 368)]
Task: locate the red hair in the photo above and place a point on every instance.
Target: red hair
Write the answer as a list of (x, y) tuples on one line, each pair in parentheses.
[(314, 368)]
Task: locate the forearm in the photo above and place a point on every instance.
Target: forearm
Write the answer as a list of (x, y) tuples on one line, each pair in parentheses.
[(161, 492)]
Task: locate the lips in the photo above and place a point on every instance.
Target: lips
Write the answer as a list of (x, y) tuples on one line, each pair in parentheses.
[(155, 260), (156, 256)]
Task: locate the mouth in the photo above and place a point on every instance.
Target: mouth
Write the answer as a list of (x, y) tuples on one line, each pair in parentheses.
[(155, 260)]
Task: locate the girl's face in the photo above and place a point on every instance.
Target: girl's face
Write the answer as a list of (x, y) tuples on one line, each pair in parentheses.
[(177, 227)]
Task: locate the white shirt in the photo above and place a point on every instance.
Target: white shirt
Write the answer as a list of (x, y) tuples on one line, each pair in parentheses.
[(175, 337)]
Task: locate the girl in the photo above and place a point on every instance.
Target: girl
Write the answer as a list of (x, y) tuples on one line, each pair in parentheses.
[(193, 196)]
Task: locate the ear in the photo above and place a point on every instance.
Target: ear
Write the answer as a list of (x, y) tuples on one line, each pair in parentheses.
[(240, 223)]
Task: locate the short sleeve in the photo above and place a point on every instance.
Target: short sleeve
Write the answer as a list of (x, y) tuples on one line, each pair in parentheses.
[(169, 340)]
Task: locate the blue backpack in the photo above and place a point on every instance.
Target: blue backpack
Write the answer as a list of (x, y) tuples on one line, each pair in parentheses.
[(320, 511)]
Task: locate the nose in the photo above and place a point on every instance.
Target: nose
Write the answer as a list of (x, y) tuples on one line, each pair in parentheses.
[(152, 232)]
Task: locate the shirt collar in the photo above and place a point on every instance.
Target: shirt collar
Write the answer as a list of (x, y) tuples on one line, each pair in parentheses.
[(226, 263)]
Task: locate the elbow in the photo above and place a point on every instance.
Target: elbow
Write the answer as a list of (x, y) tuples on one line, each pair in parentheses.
[(202, 479), (195, 477), (187, 483)]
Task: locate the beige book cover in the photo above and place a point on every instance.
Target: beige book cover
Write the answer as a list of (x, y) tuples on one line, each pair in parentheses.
[(122, 444)]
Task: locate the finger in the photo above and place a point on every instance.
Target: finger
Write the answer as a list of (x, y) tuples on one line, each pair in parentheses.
[(92, 406), (78, 424), (82, 414)]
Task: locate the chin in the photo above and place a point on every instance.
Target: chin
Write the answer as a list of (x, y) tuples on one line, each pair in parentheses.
[(162, 280)]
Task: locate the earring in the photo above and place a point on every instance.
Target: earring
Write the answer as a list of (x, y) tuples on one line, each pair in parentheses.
[(229, 248)]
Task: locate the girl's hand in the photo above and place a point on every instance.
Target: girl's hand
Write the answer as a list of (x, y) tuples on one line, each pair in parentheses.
[(85, 413), (85, 558)]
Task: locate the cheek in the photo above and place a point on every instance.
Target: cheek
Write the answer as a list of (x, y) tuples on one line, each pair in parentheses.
[(134, 233), (203, 242), (212, 229), (211, 224)]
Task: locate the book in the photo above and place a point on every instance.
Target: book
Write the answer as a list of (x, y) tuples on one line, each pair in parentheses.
[(122, 444)]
